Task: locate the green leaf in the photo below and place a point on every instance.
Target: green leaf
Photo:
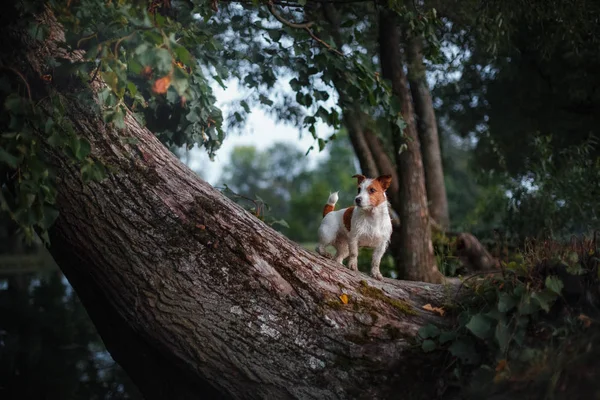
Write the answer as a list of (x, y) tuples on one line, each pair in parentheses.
[(281, 222), (502, 336), (50, 215), (183, 55), (446, 336), (83, 150), (545, 299), (480, 326), (245, 106), (464, 349), (163, 60), (428, 346), (119, 119), (265, 100), (180, 81), (554, 283), (526, 306), (274, 34), (8, 158), (428, 331), (506, 302), (321, 144)]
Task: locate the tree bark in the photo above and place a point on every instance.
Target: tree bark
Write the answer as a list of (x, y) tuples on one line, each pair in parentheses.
[(196, 297), (356, 132), (414, 249), (428, 133)]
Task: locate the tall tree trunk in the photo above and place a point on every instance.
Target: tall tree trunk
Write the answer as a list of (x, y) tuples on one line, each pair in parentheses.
[(355, 127), (413, 250), (353, 116), (428, 133), (197, 298)]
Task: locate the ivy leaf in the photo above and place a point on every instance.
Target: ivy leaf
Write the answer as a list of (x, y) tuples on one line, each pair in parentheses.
[(480, 326), (428, 346), (545, 299), (50, 215), (502, 336), (429, 331), (83, 149), (506, 302), (464, 349), (446, 336), (554, 283), (281, 222)]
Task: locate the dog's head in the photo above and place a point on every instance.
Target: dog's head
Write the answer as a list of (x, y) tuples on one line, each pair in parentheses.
[(371, 192)]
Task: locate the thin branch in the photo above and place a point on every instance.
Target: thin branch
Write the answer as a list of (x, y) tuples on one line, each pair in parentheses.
[(306, 26), (284, 21)]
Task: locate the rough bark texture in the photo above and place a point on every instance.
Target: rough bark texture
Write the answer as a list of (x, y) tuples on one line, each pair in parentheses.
[(197, 298), (414, 250), (428, 134)]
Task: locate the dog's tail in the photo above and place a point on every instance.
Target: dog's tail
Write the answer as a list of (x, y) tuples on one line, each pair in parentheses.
[(330, 206)]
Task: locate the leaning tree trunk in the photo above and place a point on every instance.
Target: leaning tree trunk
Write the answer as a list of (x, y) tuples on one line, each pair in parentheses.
[(428, 133), (197, 298), (414, 250)]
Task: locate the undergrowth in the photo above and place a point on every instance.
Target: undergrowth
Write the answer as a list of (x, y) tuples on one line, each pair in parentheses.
[(529, 329)]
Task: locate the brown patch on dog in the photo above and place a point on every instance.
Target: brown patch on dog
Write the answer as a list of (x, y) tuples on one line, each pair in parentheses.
[(360, 178), (377, 189), (327, 209), (348, 218)]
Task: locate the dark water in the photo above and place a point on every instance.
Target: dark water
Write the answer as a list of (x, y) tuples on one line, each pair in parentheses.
[(49, 348)]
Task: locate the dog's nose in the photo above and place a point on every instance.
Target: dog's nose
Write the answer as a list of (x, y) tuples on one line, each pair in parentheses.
[(357, 200)]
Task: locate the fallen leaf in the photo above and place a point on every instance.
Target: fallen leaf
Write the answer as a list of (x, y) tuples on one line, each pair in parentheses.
[(161, 85), (344, 298), (200, 226), (438, 310)]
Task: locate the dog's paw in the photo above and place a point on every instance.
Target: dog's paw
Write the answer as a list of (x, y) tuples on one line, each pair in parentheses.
[(377, 275), (353, 264)]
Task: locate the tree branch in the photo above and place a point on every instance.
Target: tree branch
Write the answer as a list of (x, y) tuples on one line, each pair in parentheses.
[(305, 25)]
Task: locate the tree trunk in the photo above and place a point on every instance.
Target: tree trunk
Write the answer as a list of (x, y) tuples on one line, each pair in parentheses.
[(413, 250), (428, 134), (197, 298), (353, 116), (356, 132)]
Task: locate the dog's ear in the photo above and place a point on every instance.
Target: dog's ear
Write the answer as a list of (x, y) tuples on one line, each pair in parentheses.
[(360, 178), (385, 181)]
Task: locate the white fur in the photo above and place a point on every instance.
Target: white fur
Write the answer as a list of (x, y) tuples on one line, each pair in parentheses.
[(371, 227)]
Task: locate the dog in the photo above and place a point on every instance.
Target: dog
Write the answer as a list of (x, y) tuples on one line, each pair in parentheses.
[(367, 224)]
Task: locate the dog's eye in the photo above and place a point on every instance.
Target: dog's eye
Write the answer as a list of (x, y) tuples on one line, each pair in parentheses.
[(358, 191), (372, 190)]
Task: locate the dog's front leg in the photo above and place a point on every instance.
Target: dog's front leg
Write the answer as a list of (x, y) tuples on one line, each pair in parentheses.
[(376, 260), (353, 246)]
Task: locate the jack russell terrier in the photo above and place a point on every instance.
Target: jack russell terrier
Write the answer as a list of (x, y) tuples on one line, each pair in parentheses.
[(368, 224)]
